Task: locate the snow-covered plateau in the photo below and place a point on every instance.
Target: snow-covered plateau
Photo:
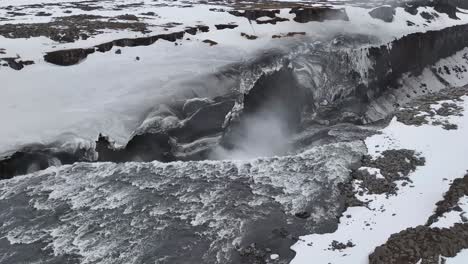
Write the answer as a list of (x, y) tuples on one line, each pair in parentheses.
[(172, 131)]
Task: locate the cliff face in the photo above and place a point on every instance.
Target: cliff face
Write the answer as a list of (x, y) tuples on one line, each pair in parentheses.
[(412, 54)]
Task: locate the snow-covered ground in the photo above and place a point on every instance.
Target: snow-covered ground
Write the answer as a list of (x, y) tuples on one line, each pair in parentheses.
[(445, 152)]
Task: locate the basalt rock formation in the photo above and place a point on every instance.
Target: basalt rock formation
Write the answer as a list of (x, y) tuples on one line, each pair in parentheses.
[(74, 56), (38, 157), (307, 14)]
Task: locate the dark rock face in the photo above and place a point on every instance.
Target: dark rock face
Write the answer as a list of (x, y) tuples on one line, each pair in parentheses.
[(412, 54), (38, 157), (74, 56), (385, 13), (142, 147), (67, 57), (457, 3), (449, 7), (224, 26), (159, 141), (308, 14), (278, 94)]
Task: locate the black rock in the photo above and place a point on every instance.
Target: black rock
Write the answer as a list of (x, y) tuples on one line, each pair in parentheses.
[(206, 121), (385, 13), (307, 14), (224, 26), (303, 215)]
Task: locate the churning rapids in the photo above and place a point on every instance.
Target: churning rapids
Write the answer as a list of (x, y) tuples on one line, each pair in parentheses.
[(231, 171)]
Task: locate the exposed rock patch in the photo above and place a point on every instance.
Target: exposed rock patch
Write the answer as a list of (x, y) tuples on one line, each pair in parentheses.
[(457, 190), (335, 245), (69, 28), (225, 26), (308, 14), (426, 110), (421, 243), (289, 34), (249, 37), (210, 42), (73, 56), (385, 13), (394, 165), (254, 14), (15, 63), (68, 57)]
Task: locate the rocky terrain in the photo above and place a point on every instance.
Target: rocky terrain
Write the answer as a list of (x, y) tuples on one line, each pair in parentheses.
[(233, 132)]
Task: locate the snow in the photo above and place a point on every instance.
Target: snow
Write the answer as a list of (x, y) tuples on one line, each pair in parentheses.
[(373, 171), (445, 158), (450, 218), (460, 258), (109, 93)]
